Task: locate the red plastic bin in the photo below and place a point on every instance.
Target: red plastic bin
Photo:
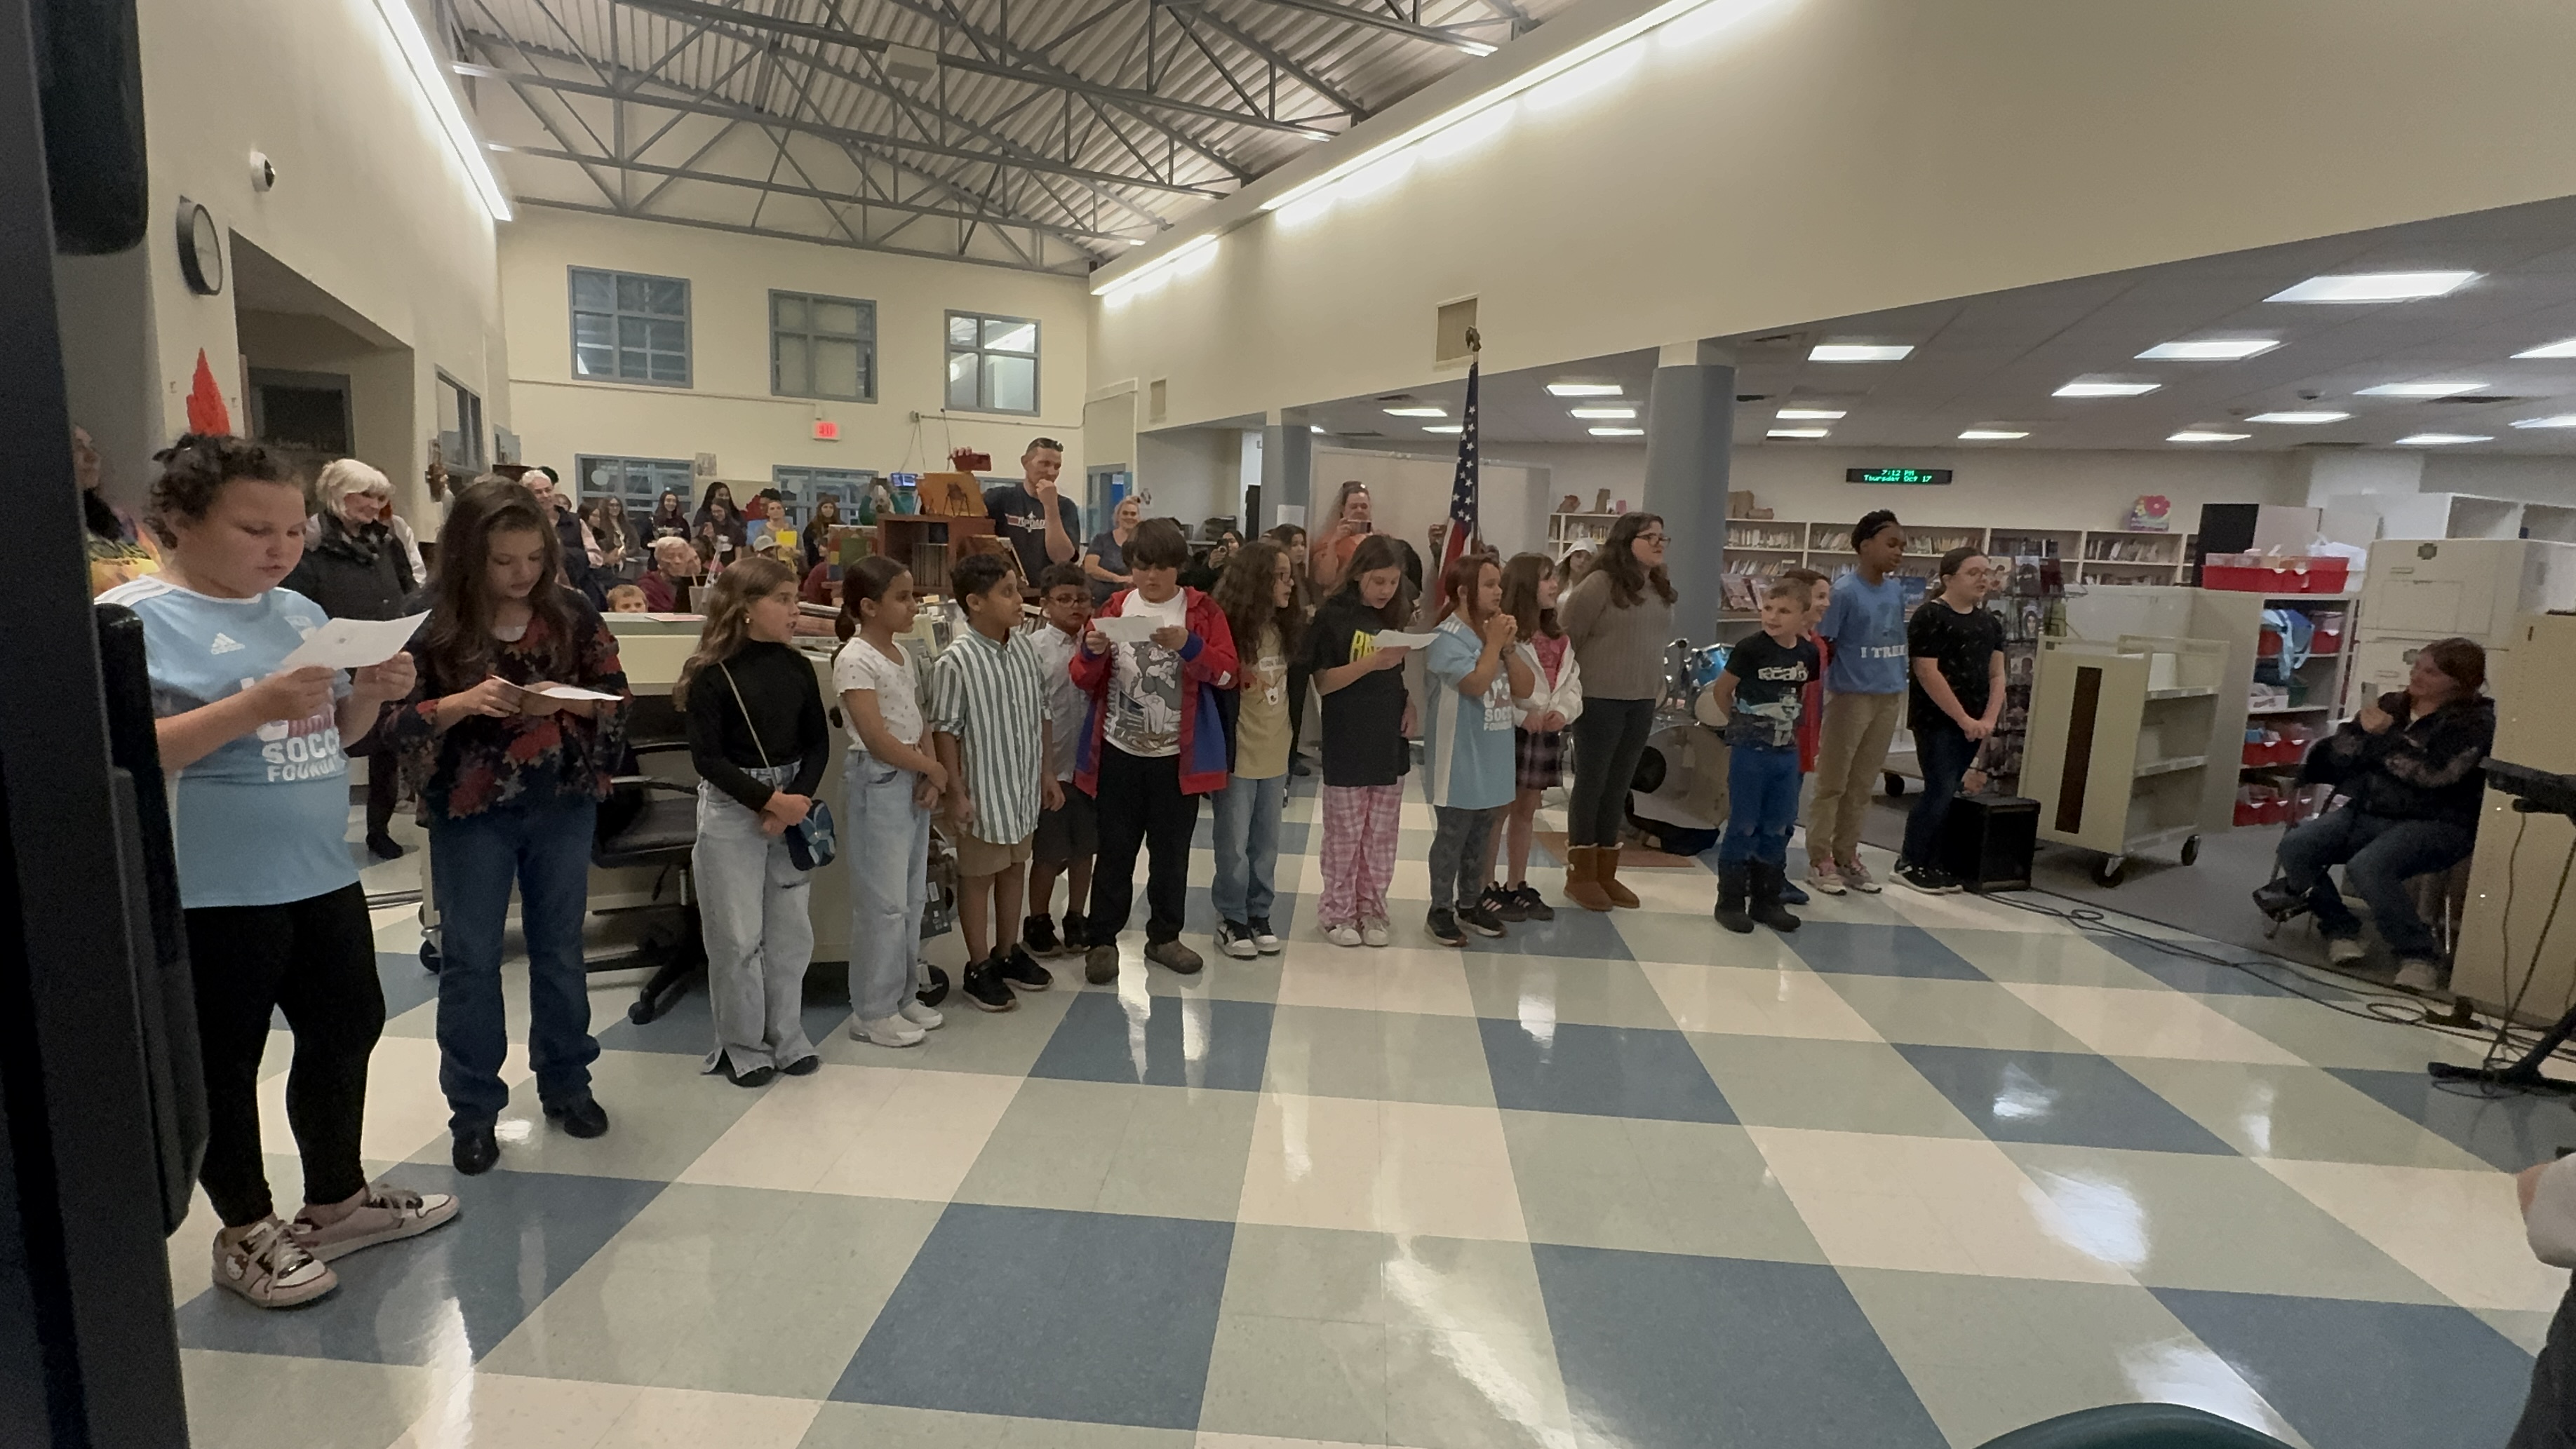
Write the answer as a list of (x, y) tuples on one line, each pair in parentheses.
[(2309, 576)]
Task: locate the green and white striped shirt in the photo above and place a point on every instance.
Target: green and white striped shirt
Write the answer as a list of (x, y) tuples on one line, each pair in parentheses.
[(992, 697)]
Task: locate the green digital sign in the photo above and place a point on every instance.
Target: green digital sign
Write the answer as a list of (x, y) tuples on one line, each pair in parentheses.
[(1896, 475)]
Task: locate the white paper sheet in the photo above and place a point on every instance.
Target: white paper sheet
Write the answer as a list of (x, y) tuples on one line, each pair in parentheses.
[(1127, 628), (566, 691), (353, 643), (1398, 639)]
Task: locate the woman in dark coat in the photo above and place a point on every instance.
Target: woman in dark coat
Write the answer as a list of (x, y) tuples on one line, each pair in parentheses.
[(355, 568)]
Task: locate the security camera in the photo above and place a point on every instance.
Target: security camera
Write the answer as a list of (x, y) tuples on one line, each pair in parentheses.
[(2309, 395), (263, 172)]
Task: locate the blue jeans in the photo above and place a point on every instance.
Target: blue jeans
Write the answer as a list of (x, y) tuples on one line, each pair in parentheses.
[(544, 847), (888, 850), (1247, 847), (2378, 856), (1761, 804), (1945, 753)]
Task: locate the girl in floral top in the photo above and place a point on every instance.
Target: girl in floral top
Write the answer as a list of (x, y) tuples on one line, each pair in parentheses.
[(510, 779)]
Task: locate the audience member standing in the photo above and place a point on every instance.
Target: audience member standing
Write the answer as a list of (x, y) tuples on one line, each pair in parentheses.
[(760, 742), (1620, 616), (1039, 523), (1348, 524), (892, 781), (1259, 597), (1366, 716), (1956, 650), (1106, 560), (720, 524), (814, 540), (575, 547), (355, 568), (1865, 675), (275, 918), (510, 779)]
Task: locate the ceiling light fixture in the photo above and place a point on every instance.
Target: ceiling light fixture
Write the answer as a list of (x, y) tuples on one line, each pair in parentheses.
[(1451, 428), (2561, 420), (1990, 435), (2566, 348), (2375, 287), (1191, 254), (1858, 352), (2081, 388), (1314, 428), (2199, 435), (2214, 349), (2441, 440), (2299, 419), (1583, 389), (404, 27), (1809, 415), (2419, 389), (1417, 412), (1798, 433), (1617, 432), (1620, 413)]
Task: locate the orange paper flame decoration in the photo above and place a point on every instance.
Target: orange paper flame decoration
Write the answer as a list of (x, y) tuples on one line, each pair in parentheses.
[(206, 410)]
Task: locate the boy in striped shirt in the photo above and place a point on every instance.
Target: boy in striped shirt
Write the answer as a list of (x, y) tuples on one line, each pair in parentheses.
[(989, 725)]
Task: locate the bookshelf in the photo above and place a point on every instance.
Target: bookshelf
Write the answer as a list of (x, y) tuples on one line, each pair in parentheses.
[(1567, 532), (2093, 557)]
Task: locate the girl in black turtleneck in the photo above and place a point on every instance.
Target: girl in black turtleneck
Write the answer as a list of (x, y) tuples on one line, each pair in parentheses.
[(759, 738)]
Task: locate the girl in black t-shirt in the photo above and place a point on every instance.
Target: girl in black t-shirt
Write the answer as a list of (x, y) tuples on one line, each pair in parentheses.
[(1367, 718), (1956, 650)]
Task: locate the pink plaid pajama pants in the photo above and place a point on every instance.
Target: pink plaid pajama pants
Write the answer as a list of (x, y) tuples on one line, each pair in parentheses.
[(1359, 851)]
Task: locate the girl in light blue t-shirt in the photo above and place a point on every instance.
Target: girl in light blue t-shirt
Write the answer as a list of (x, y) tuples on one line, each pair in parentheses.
[(1467, 740)]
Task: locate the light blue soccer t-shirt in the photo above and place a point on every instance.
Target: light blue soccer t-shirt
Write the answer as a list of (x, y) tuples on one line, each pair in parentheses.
[(1866, 624), (1466, 743), (264, 819)]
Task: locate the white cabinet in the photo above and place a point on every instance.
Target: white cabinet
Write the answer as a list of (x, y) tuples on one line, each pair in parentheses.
[(2476, 588)]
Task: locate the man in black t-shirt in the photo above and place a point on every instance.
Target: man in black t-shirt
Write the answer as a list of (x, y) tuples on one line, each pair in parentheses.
[(1956, 652), (1039, 523), (1762, 691)]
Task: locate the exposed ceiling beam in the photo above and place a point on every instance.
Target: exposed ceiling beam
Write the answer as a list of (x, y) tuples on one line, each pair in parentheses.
[(1305, 76), (1050, 77), (1392, 25), (1080, 266), (731, 111)]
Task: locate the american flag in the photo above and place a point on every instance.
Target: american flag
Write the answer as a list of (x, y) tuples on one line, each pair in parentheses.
[(1462, 492)]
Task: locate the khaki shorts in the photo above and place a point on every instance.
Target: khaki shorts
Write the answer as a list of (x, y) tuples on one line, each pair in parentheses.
[(977, 858)]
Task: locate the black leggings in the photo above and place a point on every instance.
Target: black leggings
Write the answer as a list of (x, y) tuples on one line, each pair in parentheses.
[(314, 960), (1609, 736)]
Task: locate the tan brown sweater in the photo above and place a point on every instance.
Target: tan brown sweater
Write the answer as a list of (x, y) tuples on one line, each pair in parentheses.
[(1621, 650)]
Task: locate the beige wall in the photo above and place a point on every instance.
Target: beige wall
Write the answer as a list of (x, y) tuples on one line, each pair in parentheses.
[(728, 410), (1830, 157)]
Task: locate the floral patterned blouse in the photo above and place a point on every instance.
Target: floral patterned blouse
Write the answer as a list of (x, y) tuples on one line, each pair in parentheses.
[(480, 763)]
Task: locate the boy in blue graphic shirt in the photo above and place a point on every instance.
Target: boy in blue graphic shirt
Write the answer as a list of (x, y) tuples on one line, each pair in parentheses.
[(1762, 692), (1865, 686)]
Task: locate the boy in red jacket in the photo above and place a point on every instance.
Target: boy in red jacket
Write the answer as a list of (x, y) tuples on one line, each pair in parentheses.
[(1155, 744)]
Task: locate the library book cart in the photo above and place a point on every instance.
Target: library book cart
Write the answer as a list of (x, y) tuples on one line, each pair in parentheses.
[(2123, 739)]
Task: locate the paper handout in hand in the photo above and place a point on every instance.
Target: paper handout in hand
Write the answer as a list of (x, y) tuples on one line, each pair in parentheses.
[(353, 643), (1399, 639), (1126, 628)]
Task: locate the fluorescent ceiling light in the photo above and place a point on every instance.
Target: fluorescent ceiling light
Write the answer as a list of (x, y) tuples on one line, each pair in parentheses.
[(1193, 252), (1809, 415), (2441, 440), (2419, 389), (2198, 435), (1794, 432), (2216, 349), (1452, 428), (2561, 420), (1621, 413), (2375, 287), (1314, 428), (2299, 419), (1989, 435), (1617, 432), (1857, 352), (1583, 389), (2107, 389), (2552, 349), (1417, 412), (408, 38)]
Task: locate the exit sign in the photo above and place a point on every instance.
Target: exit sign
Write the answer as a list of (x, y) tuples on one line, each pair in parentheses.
[(826, 431), (1896, 475)]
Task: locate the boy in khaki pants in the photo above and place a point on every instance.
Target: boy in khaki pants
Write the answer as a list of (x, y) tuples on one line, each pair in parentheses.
[(1865, 683)]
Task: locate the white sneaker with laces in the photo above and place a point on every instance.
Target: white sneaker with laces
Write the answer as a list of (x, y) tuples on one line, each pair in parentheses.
[(269, 1268), (890, 1031), (383, 1214), (925, 1017), (1857, 876), (2344, 950), (1825, 878), (1344, 934), (2419, 976), (1374, 932)]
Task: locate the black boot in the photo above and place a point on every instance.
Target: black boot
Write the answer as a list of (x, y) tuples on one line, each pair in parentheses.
[(1731, 887), (1766, 880)]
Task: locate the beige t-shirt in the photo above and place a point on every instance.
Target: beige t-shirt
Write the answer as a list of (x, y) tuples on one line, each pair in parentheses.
[(1261, 719)]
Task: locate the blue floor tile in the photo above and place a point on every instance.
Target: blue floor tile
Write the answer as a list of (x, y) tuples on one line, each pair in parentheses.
[(1860, 949), (519, 1236), (688, 1027), (1576, 932), (1050, 1315), (2075, 1100), (1600, 1071), (2512, 1131), (2185, 974), (1098, 1042), (1667, 1352), (2349, 1374)]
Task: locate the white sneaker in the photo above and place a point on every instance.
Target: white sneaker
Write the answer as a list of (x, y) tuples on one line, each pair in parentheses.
[(1374, 932), (271, 1269), (2344, 950), (890, 1031), (1825, 878), (1857, 876), (383, 1214), (1344, 934), (927, 1018), (2419, 976)]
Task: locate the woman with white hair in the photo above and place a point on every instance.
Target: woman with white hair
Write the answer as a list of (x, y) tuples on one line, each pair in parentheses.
[(356, 567), (675, 568)]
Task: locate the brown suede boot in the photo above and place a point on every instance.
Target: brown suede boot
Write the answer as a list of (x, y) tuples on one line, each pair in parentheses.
[(1581, 861), (1605, 876)]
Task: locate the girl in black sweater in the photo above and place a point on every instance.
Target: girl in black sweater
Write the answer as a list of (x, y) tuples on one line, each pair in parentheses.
[(759, 738)]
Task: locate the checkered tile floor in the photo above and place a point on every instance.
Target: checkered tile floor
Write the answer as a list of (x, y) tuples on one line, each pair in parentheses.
[(1930, 1170)]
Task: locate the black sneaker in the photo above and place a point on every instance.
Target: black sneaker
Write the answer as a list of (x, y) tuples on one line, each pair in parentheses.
[(1100, 963), (1023, 972), (1077, 934), (1442, 923), (1264, 939), (1038, 934), (985, 986), (1479, 920), (1236, 940), (1932, 880), (1534, 907), (1501, 904)]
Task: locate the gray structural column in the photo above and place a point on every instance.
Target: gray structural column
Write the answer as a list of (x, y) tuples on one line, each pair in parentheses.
[(1690, 431), (1287, 467)]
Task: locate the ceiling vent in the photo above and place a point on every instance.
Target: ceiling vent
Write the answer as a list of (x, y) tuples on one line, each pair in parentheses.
[(2472, 399), (1397, 397), (1749, 397), (910, 66), (2329, 446), (1363, 433), (1158, 399)]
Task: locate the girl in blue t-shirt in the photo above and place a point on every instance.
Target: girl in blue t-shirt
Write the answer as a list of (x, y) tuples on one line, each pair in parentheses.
[(1474, 674), (258, 756)]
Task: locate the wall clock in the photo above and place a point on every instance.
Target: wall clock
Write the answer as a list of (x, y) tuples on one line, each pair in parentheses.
[(201, 248)]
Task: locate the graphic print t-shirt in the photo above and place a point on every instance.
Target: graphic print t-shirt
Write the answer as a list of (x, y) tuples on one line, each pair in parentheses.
[(1866, 623), (1363, 740), (1145, 687), (263, 820), (1261, 723), (1466, 742), (1770, 691)]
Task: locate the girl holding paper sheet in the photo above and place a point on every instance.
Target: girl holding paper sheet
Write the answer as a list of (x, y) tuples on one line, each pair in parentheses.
[(1367, 717), (510, 782)]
